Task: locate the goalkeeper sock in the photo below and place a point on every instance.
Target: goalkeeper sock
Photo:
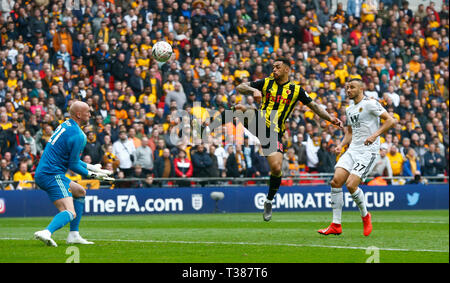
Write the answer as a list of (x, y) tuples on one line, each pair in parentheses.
[(274, 185), (78, 204), (60, 220), (337, 202), (358, 198)]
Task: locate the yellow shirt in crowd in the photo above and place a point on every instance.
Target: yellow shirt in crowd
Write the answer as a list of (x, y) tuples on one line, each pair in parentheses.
[(19, 177), (396, 163)]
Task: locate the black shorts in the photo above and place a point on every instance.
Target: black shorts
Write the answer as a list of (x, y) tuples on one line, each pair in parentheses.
[(269, 148), (271, 141)]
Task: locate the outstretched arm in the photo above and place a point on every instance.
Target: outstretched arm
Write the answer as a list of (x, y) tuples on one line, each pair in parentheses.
[(316, 108)]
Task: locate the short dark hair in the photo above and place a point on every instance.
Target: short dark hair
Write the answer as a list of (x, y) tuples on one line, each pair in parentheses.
[(285, 61), (355, 80)]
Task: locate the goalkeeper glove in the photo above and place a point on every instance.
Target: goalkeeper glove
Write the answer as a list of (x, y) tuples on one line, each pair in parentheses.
[(100, 176), (97, 168)]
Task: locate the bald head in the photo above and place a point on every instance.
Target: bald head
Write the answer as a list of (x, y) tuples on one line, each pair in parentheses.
[(77, 106), (79, 111)]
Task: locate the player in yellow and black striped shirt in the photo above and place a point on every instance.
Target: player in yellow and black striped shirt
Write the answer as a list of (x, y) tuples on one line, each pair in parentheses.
[(277, 97)]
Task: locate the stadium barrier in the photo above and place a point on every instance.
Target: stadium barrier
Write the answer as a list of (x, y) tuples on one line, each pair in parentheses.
[(302, 179), (236, 199)]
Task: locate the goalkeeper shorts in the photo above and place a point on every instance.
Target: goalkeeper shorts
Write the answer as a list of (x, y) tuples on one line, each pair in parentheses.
[(56, 186)]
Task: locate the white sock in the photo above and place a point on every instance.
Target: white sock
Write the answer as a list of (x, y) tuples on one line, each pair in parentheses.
[(358, 198), (269, 201), (74, 233), (337, 202)]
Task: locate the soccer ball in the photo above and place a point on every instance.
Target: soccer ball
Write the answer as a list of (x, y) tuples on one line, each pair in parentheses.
[(162, 51)]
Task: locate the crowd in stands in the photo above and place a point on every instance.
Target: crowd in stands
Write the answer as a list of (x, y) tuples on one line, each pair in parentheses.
[(54, 52)]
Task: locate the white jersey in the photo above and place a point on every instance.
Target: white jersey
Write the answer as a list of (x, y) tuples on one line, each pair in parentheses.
[(364, 118)]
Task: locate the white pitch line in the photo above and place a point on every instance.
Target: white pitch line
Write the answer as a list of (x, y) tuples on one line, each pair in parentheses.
[(254, 244), (354, 221)]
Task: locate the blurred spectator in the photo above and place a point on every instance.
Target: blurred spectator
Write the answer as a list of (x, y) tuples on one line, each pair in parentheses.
[(125, 151), (411, 165), (5, 8), (221, 156), (4, 122), (369, 9), (14, 139), (9, 164), (247, 151), (290, 165), (382, 165), (327, 158), (396, 160), (312, 147), (120, 183), (136, 82), (164, 167), (61, 37), (260, 163), (102, 60), (354, 8), (176, 95), (405, 147), (201, 161), (213, 170), (149, 182), (434, 162), (232, 165), (240, 160), (64, 56), (132, 136), (138, 173), (417, 179), (160, 146), (42, 136), (6, 176), (22, 176), (24, 155), (144, 156), (183, 168), (93, 148), (118, 68), (300, 150), (28, 138), (421, 150), (110, 158)]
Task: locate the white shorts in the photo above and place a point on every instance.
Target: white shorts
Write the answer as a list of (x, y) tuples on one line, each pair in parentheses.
[(359, 163)]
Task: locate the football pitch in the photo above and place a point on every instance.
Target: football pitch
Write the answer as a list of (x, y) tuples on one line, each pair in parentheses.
[(290, 237)]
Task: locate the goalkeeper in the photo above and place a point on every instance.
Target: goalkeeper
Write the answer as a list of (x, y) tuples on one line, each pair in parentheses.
[(62, 152)]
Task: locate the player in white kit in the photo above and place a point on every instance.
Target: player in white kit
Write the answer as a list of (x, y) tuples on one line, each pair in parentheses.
[(363, 136)]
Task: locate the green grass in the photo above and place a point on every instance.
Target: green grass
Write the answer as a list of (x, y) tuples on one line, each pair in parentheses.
[(400, 236)]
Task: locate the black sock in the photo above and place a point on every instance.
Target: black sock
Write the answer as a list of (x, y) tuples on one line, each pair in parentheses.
[(274, 185)]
